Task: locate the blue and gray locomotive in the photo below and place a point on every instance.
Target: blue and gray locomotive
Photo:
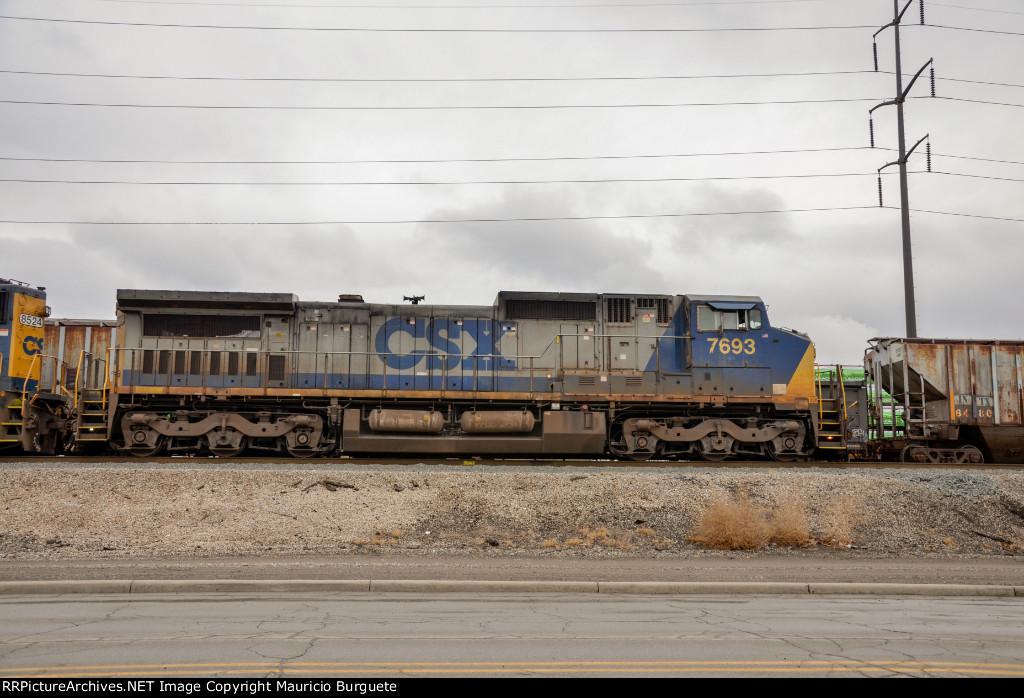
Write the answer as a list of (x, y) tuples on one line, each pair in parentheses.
[(561, 374)]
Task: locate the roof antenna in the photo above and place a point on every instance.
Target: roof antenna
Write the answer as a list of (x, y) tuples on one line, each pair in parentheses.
[(415, 300)]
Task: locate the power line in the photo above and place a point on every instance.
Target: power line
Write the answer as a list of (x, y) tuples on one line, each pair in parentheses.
[(610, 180), (378, 80), (980, 82), (618, 30), (967, 157), (967, 215), (444, 107), (445, 220), (585, 78), (447, 160), (507, 220), (973, 101), (977, 176), (975, 29), (976, 9)]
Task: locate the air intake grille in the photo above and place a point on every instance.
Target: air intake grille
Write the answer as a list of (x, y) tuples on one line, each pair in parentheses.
[(160, 325), (520, 309)]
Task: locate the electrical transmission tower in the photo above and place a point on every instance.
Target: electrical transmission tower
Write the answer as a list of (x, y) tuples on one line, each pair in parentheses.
[(904, 155)]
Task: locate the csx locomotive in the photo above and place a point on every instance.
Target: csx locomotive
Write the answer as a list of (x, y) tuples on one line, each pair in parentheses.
[(635, 376), (33, 414)]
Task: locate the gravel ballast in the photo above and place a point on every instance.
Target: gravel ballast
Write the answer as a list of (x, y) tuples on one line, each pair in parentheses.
[(53, 513)]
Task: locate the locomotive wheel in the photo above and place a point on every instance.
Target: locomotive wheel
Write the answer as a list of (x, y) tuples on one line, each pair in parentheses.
[(782, 457), (147, 451), (229, 451), (712, 456), (636, 456), (47, 443)]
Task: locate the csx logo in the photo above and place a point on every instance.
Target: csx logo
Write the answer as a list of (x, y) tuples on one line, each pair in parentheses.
[(442, 335), (32, 345), (30, 320)]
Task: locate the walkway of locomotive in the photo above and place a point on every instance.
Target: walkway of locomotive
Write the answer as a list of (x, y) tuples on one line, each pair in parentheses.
[(286, 463)]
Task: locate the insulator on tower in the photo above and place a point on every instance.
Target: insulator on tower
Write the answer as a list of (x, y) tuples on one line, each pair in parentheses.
[(871, 129), (880, 191), (928, 154), (874, 50), (921, 4), (932, 75)]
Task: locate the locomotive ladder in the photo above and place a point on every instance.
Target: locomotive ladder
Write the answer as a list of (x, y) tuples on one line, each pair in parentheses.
[(832, 415), (91, 387), (12, 421)]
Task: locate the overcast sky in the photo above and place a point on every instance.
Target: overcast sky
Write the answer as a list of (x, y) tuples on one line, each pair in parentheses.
[(372, 96)]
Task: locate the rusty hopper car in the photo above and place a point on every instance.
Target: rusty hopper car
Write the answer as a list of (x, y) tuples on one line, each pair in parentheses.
[(567, 374), (960, 400)]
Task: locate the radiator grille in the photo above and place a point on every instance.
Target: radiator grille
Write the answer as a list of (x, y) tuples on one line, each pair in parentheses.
[(617, 310), (662, 306)]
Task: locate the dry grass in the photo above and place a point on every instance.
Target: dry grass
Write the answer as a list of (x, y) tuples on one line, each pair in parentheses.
[(735, 524), (740, 524), (788, 523)]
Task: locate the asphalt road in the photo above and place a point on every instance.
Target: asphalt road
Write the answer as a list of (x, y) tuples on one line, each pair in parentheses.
[(372, 635)]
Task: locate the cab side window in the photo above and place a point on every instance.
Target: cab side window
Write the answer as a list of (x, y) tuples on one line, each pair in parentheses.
[(712, 320)]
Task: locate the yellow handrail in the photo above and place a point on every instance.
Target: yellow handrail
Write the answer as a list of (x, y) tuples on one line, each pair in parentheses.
[(842, 388), (106, 376), (78, 375), (817, 390), (64, 379), (24, 383)]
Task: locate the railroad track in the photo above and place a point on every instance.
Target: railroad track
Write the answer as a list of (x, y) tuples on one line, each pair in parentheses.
[(342, 462)]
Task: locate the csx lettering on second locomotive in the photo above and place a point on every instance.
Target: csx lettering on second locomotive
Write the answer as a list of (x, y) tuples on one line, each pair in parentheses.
[(444, 337)]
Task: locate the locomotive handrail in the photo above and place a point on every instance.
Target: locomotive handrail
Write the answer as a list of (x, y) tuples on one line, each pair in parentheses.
[(24, 384), (78, 375), (55, 382), (842, 388)]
